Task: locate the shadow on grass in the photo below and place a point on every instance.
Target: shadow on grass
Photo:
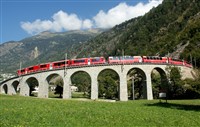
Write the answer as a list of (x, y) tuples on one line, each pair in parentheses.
[(187, 107)]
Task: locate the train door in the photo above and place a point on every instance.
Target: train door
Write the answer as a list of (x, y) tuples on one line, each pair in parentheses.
[(51, 66), (89, 62), (140, 59), (167, 60)]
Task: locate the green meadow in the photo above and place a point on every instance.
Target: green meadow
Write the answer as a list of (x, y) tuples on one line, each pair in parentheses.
[(18, 111)]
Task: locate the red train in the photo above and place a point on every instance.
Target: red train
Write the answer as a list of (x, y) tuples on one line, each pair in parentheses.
[(61, 64), (101, 60)]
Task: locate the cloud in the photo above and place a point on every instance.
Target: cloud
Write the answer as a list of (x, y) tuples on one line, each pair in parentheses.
[(62, 21), (36, 26), (87, 24), (123, 12)]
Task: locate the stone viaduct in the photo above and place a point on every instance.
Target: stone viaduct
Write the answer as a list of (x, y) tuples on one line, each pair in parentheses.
[(10, 86)]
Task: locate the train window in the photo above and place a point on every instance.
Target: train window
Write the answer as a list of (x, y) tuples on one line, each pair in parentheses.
[(176, 60), (59, 64), (31, 68), (42, 66), (95, 59), (79, 61), (128, 57), (116, 58)]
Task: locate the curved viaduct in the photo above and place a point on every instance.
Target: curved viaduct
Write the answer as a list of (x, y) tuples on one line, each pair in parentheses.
[(10, 86)]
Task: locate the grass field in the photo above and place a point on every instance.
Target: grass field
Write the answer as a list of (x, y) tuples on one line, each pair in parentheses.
[(17, 111)]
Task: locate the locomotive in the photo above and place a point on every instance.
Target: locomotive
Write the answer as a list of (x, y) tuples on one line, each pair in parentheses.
[(101, 61)]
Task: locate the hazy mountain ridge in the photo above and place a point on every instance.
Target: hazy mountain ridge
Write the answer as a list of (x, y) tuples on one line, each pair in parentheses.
[(44, 47)]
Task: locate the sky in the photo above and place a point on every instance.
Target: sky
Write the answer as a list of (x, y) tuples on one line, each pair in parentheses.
[(24, 18)]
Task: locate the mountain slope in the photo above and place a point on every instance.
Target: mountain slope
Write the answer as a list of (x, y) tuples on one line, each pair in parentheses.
[(161, 31), (44, 47)]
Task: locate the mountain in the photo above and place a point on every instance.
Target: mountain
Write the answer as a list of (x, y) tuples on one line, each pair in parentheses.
[(44, 47), (172, 28)]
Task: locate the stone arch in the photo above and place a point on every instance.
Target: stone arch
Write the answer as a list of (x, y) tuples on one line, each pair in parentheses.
[(55, 85), (136, 84), (108, 84), (15, 86), (159, 81), (81, 84), (33, 84), (5, 88)]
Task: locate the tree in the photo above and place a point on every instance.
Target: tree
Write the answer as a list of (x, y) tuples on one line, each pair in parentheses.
[(59, 86), (192, 86), (108, 88), (175, 84), (108, 84), (138, 84), (83, 81), (59, 90)]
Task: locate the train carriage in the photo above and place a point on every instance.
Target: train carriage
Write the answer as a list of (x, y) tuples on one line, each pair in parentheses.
[(113, 59), (187, 64), (124, 59), (154, 59), (87, 61), (22, 71), (32, 69), (175, 61), (60, 64), (44, 66), (79, 62), (97, 60)]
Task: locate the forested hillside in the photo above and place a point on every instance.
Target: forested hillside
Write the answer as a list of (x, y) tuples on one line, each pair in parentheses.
[(44, 47), (170, 29)]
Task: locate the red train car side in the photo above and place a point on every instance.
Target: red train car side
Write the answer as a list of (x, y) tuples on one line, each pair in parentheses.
[(79, 62), (124, 59), (44, 66), (175, 61), (187, 64), (113, 59), (87, 61), (22, 71), (154, 59), (32, 69), (97, 60), (60, 64)]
